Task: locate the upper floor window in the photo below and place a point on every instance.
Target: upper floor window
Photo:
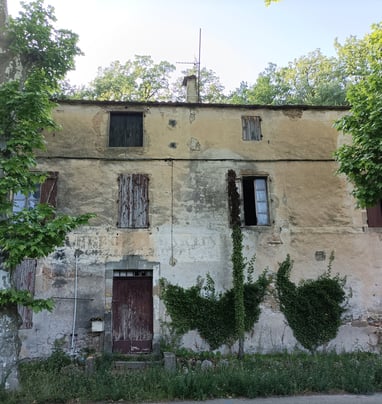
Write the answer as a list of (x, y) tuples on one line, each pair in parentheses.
[(374, 215), (254, 195), (43, 193), (251, 128), (126, 129)]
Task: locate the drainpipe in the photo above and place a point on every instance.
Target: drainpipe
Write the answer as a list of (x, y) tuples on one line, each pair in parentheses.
[(77, 253)]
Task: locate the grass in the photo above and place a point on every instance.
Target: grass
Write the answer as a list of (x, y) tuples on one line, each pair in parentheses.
[(58, 380)]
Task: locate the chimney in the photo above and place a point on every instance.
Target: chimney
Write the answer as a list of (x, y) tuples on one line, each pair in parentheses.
[(191, 88)]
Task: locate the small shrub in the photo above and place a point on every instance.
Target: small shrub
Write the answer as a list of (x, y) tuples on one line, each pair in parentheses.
[(314, 308)]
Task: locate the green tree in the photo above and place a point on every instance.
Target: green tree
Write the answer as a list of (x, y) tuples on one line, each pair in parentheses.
[(267, 89), (361, 161), (313, 79), (42, 55), (136, 80)]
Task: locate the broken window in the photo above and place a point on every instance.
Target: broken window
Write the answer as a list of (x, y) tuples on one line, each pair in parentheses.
[(254, 200), (374, 215), (126, 129), (251, 128), (133, 201)]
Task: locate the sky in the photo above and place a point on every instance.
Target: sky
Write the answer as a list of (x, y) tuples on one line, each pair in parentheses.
[(238, 37)]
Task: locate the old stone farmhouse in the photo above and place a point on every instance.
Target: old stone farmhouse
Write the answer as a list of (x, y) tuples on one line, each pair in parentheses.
[(155, 174)]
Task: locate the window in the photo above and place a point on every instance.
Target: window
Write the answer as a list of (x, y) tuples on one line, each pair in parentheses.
[(43, 193), (254, 193), (374, 215), (126, 129), (133, 201), (251, 128)]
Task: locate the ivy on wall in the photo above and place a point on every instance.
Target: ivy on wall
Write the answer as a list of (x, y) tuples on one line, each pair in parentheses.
[(212, 314), (314, 308)]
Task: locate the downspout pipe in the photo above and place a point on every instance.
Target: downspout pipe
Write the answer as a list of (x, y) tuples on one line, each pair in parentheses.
[(77, 253)]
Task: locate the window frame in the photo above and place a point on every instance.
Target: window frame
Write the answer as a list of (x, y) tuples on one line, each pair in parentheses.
[(45, 192), (251, 128), (128, 141), (248, 199)]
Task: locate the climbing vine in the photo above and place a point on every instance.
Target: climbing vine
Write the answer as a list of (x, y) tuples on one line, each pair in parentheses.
[(237, 259), (314, 308), (212, 314)]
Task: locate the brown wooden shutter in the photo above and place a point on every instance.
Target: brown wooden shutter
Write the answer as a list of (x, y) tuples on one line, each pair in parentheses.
[(133, 200), (49, 189), (24, 279), (374, 215)]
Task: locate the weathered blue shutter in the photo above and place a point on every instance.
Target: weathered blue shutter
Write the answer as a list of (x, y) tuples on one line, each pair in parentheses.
[(133, 201)]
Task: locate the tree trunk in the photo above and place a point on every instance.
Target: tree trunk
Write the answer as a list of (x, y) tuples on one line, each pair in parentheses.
[(9, 319), (9, 340)]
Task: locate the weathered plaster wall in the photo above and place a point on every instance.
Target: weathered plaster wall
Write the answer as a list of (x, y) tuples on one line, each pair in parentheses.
[(186, 154)]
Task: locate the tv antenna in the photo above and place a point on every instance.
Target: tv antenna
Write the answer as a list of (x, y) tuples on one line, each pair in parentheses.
[(196, 63)]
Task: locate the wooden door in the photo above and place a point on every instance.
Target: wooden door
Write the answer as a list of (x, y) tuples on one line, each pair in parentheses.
[(132, 314)]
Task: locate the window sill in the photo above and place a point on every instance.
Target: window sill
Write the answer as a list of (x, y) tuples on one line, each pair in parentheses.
[(372, 229)]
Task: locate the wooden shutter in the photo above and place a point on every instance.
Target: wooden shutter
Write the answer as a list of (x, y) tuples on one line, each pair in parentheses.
[(126, 129), (374, 215), (133, 201), (251, 128), (48, 192), (24, 279)]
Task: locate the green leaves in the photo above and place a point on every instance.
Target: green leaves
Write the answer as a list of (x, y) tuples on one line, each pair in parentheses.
[(137, 80), (46, 54), (24, 298), (361, 161), (313, 79), (212, 315), (43, 50), (314, 308), (35, 233)]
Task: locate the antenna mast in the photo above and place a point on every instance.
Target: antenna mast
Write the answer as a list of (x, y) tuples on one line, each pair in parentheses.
[(200, 47), (196, 63)]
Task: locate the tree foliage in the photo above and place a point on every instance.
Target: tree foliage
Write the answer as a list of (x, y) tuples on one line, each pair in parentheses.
[(314, 79), (136, 80), (361, 161), (211, 90), (46, 54)]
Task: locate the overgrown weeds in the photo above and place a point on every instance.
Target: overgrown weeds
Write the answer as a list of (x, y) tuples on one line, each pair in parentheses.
[(57, 381)]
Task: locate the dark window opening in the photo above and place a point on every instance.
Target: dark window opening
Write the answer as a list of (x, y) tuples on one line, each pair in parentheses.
[(251, 128), (126, 129), (374, 215), (255, 201)]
